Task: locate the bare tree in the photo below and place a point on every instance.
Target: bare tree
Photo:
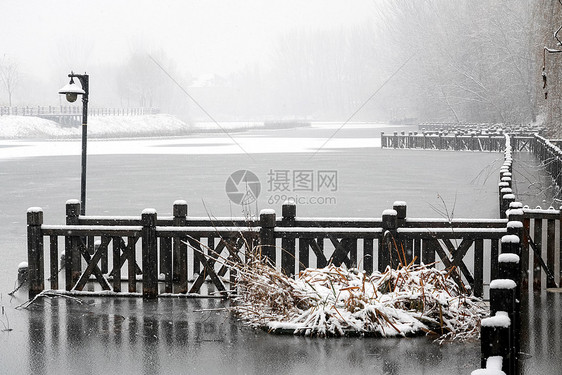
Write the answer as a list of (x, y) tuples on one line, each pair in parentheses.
[(9, 75)]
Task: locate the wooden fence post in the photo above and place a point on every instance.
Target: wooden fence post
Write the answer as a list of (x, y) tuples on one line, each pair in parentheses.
[(36, 273), (178, 260), (267, 235), (388, 255), (288, 212), (149, 254), (72, 256), (405, 248), (495, 340), (507, 199)]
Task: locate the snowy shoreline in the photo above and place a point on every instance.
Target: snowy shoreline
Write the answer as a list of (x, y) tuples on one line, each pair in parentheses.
[(160, 125)]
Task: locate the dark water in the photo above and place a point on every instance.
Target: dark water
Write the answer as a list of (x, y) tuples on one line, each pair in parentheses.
[(174, 336), (195, 336)]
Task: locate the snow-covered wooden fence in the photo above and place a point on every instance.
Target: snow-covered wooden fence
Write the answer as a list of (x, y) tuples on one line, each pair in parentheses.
[(445, 141), (477, 127), (457, 141), (178, 254)]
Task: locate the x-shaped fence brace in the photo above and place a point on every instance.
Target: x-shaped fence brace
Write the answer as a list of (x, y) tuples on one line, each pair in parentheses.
[(125, 251)]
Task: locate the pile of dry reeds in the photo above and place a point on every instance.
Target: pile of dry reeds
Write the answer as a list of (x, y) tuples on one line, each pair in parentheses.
[(336, 301)]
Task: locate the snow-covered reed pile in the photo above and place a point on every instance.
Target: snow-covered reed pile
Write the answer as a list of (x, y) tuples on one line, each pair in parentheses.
[(335, 301)]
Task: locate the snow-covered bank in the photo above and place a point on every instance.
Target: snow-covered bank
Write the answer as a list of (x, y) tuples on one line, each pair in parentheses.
[(22, 127), (161, 125)]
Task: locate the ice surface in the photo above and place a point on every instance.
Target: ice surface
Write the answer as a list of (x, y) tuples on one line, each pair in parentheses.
[(16, 133)]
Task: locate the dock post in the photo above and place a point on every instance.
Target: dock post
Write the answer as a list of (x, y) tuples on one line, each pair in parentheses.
[(149, 254), (288, 212), (495, 340), (72, 256), (267, 234), (36, 273), (388, 254), (179, 248)]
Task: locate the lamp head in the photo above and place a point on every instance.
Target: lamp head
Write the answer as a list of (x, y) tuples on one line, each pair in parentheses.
[(71, 91)]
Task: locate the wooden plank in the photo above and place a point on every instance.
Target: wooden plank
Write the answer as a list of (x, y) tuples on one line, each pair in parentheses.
[(525, 270), (288, 255), (478, 287), (428, 250), (166, 263), (208, 266), (417, 251), (550, 252), (494, 253), (537, 239), (104, 259), (368, 255), (304, 258), (116, 272), (340, 254), (92, 267), (132, 263), (54, 261)]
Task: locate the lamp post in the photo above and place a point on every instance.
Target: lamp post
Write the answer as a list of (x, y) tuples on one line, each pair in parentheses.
[(72, 90)]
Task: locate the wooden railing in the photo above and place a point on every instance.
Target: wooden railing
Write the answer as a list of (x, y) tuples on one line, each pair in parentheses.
[(477, 127), (75, 110), (178, 254)]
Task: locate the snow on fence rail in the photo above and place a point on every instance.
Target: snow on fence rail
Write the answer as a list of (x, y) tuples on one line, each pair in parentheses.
[(178, 254)]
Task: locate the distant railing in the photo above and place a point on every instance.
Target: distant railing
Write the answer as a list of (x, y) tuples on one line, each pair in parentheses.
[(477, 127), (75, 110), (457, 141), (72, 115)]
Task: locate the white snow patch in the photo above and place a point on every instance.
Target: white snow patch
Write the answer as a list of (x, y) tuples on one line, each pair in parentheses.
[(508, 258), (510, 238), (494, 363), (514, 224), (389, 212), (500, 320), (267, 211), (503, 284)]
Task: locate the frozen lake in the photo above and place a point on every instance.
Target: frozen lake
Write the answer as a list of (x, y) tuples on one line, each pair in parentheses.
[(178, 336)]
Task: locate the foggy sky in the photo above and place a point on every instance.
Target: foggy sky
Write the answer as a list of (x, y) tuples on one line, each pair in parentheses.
[(47, 37)]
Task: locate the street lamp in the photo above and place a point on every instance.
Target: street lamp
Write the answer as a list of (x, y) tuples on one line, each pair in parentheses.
[(72, 90)]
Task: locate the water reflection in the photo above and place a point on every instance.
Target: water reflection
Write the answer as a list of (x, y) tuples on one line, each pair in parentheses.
[(541, 320), (178, 336)]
